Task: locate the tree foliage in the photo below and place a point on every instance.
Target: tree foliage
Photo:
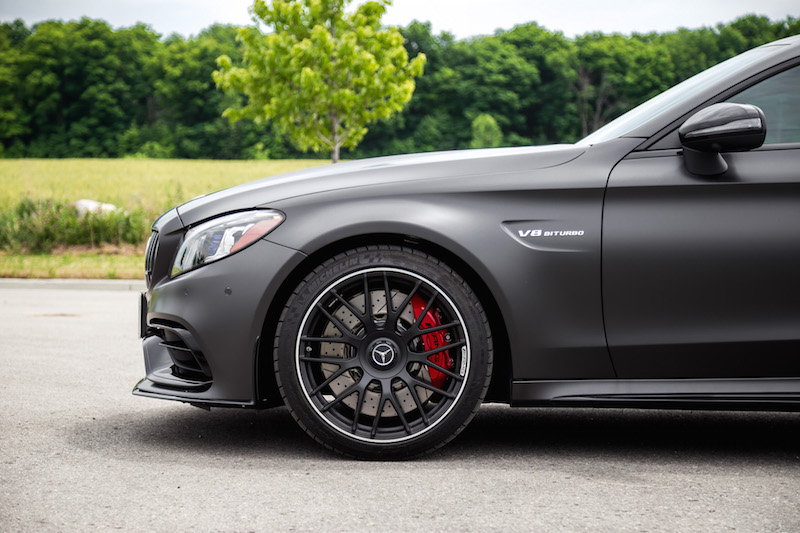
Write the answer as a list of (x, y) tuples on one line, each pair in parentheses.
[(614, 73), (486, 132), (323, 74), (83, 89)]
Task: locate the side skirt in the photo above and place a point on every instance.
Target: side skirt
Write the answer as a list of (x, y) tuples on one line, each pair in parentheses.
[(751, 393)]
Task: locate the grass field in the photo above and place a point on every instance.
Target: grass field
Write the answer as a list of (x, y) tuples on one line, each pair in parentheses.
[(153, 185), (72, 266)]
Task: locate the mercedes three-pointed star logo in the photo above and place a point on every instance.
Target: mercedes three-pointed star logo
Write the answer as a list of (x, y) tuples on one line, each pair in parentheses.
[(383, 354)]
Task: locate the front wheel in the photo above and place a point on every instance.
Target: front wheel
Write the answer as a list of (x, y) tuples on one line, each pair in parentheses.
[(383, 353)]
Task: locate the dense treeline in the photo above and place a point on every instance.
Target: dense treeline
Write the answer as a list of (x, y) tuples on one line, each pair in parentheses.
[(81, 89)]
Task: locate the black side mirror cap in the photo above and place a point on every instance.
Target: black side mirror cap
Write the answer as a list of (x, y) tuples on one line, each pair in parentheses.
[(719, 128)]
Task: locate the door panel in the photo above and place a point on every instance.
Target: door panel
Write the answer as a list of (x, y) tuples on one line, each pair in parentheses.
[(701, 276)]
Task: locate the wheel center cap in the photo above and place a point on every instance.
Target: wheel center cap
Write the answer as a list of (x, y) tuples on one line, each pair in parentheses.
[(383, 353)]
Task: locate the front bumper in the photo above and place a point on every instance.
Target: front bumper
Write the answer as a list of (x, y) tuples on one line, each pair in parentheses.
[(201, 330)]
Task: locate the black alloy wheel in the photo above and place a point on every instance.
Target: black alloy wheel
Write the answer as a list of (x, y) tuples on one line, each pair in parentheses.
[(383, 353)]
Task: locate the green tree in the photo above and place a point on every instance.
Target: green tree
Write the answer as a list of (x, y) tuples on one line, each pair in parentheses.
[(80, 84), (616, 73), (691, 51), (492, 77), (13, 116), (486, 133), (423, 125), (323, 74), (83, 89), (550, 109)]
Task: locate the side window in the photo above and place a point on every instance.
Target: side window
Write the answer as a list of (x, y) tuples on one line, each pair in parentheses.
[(779, 98)]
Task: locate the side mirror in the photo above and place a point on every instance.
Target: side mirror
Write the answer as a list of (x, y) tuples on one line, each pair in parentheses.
[(720, 128)]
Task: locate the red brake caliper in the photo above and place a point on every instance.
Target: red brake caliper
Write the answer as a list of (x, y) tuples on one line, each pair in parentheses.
[(434, 340)]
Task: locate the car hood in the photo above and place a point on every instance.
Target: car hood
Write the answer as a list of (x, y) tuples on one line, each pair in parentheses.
[(374, 172)]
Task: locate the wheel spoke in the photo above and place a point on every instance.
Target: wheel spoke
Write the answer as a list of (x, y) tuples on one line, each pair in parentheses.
[(361, 316), (453, 324), (424, 313), (332, 340), (430, 387), (423, 356), (350, 362), (359, 406), (347, 392), (333, 377), (338, 324), (396, 404), (377, 420), (413, 333), (395, 314), (420, 407), (443, 370), (387, 294), (370, 325)]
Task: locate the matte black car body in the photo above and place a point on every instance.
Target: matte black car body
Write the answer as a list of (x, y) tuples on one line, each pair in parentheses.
[(609, 272)]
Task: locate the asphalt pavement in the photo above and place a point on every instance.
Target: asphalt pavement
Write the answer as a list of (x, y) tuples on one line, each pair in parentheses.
[(79, 453)]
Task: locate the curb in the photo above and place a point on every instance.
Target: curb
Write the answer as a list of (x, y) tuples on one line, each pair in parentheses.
[(131, 285)]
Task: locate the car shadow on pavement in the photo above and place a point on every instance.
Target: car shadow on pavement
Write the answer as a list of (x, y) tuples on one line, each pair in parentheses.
[(664, 435), (180, 433)]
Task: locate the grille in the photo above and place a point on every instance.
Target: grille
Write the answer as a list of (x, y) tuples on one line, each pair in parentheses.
[(150, 257)]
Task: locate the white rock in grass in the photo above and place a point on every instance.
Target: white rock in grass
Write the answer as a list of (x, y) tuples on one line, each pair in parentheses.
[(92, 206)]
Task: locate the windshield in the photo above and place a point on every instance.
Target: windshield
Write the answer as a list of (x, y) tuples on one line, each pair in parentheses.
[(670, 98)]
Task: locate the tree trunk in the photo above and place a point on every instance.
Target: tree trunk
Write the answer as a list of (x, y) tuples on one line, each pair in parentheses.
[(335, 140)]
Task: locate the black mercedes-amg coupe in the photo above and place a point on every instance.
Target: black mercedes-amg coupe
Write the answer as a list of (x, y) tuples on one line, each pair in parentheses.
[(655, 263)]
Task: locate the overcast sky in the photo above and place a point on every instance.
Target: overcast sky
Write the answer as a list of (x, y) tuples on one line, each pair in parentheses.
[(463, 18)]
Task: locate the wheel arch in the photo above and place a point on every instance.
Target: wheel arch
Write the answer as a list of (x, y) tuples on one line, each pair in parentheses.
[(500, 385)]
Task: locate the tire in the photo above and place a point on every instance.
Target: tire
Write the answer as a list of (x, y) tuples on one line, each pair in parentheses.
[(364, 378)]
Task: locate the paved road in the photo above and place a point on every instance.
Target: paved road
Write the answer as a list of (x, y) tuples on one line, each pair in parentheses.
[(78, 452)]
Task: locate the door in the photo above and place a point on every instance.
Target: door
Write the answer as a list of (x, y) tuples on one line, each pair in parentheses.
[(701, 275)]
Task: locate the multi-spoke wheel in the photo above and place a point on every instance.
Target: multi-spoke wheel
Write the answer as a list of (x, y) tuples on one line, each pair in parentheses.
[(383, 353)]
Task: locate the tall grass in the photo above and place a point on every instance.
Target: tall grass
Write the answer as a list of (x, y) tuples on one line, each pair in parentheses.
[(37, 226)]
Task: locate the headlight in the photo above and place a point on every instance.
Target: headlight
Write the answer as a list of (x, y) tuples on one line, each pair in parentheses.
[(223, 236)]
